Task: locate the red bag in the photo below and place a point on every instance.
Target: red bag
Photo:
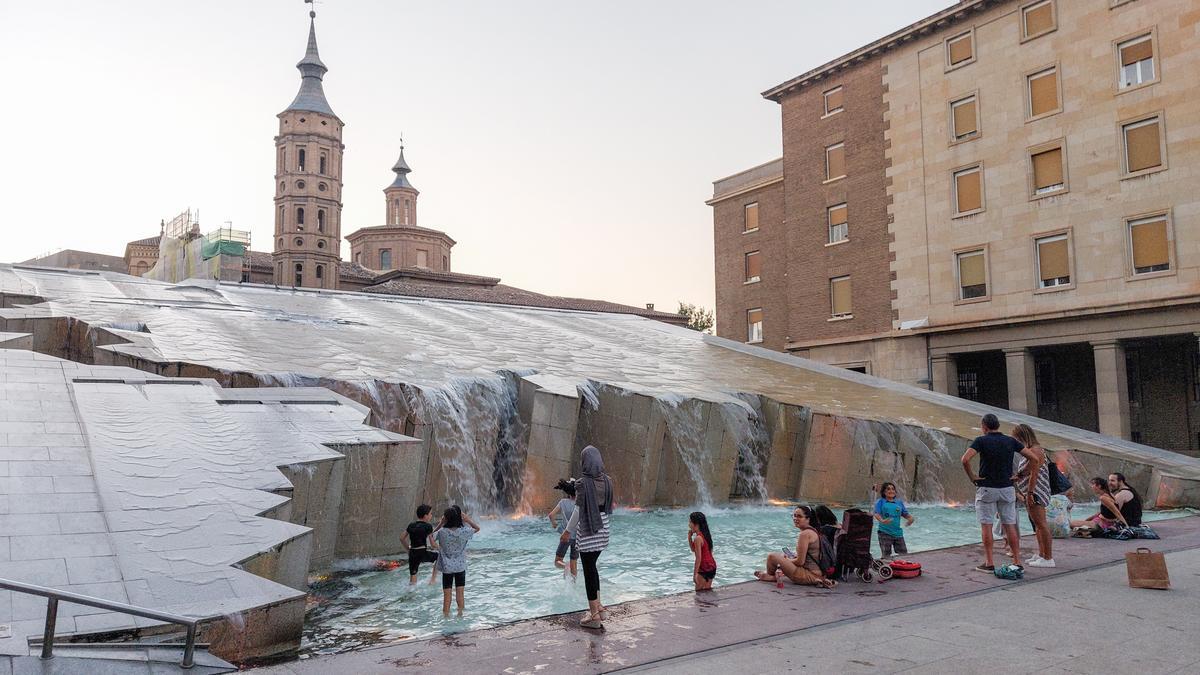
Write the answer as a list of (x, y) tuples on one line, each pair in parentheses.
[(905, 569)]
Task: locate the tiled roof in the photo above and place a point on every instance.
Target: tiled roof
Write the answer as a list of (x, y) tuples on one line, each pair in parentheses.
[(148, 241), (353, 270)]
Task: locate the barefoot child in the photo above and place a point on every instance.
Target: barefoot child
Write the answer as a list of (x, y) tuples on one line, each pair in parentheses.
[(889, 509), (417, 542), (452, 539), (700, 541), (563, 509)]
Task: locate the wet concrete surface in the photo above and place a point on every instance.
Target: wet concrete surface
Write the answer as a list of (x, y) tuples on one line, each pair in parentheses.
[(644, 633)]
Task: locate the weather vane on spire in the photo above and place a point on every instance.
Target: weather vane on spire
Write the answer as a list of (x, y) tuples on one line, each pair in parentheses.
[(312, 13)]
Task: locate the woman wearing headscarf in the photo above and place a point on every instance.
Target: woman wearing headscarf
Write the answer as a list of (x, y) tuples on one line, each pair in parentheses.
[(589, 527)]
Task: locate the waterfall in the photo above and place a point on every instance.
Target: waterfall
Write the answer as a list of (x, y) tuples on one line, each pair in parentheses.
[(748, 427), (685, 422)]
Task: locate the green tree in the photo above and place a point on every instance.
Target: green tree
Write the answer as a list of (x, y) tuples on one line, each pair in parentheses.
[(698, 318)]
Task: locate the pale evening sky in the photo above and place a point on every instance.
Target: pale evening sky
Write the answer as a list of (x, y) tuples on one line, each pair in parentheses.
[(567, 146)]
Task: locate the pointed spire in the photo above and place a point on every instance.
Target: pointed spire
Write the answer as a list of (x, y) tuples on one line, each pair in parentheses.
[(402, 170), (311, 96)]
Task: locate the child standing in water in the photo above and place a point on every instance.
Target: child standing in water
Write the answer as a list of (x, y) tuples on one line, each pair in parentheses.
[(452, 539), (416, 540), (889, 509), (704, 570), (563, 509)]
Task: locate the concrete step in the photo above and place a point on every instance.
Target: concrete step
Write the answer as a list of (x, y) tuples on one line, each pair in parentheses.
[(114, 659)]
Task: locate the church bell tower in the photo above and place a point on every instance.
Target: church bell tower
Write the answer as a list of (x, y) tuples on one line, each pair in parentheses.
[(308, 181)]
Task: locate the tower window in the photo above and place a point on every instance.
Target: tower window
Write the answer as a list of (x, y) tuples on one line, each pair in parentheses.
[(396, 211), (300, 160), (320, 220), (322, 171), (299, 279), (422, 258), (385, 258), (446, 268), (407, 211), (281, 216), (299, 242), (321, 276), (300, 217)]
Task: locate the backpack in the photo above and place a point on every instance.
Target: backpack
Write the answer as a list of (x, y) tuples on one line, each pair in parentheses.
[(827, 559), (1059, 483)]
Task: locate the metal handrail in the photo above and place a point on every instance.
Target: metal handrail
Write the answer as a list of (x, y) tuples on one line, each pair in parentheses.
[(54, 595)]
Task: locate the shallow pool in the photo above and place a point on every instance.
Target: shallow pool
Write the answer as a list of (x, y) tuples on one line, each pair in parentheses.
[(511, 573)]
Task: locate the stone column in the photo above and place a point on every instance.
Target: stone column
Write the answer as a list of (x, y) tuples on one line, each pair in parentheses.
[(1112, 388), (1022, 385), (944, 374)]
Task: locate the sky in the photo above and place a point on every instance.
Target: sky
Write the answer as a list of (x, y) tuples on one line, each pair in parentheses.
[(568, 147)]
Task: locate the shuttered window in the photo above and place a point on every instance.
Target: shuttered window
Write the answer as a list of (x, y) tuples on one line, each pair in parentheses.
[(754, 321), (1148, 239), (972, 275), (839, 294), (753, 266), (1137, 61), (1038, 18), (1054, 262), (833, 100), (1043, 92), (835, 161), (968, 190), (1143, 145), (1048, 172), (839, 228), (960, 49), (750, 219), (964, 118)]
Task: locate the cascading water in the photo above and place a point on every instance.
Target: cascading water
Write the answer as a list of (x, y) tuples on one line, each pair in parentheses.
[(748, 427), (685, 427)]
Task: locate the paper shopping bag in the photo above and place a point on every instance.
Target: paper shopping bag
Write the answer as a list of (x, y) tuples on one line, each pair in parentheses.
[(1147, 569)]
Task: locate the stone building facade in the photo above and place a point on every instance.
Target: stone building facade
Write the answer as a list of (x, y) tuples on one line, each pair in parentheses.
[(1021, 213), (141, 255)]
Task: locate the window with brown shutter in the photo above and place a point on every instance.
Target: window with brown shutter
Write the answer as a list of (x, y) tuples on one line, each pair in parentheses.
[(972, 274), (1150, 244), (753, 266), (1037, 19), (964, 118), (750, 218), (1054, 261), (960, 49), (1043, 92), (1137, 61), (968, 190), (1143, 145), (835, 161), (754, 323), (839, 294), (839, 229), (833, 100), (1048, 172)]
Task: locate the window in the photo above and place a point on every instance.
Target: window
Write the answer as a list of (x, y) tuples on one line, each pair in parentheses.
[(422, 258), (358, 258), (1149, 243), (750, 218), (1143, 145), (320, 220), (299, 278), (140, 268), (960, 50), (396, 211), (282, 165), (964, 118), (839, 230), (1045, 391), (300, 217), (299, 242), (968, 190), (839, 297), (1048, 174), (1053, 261), (968, 384), (1137, 61), (753, 267), (445, 263), (408, 212), (1043, 92), (1037, 19), (754, 325), (300, 159), (322, 170), (385, 258), (835, 161), (321, 276), (833, 101), (972, 274), (281, 217)]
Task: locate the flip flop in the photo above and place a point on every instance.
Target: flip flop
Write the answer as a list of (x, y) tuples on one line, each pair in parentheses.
[(986, 569)]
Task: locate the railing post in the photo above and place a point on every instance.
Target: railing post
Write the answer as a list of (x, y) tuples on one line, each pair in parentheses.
[(48, 635), (189, 647)]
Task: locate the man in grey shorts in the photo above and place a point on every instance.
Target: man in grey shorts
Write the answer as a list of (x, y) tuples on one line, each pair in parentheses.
[(995, 495)]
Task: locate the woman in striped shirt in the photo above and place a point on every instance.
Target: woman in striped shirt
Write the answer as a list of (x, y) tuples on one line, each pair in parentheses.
[(589, 527)]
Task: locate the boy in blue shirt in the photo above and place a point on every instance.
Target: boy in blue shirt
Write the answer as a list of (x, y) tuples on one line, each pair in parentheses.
[(888, 511)]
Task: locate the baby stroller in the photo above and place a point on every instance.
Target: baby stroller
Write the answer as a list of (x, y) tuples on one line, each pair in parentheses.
[(854, 548)]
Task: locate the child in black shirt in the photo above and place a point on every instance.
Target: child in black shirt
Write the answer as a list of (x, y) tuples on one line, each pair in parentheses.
[(418, 542)]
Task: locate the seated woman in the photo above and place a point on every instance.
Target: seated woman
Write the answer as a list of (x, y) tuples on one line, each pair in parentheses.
[(805, 567), (1109, 515)]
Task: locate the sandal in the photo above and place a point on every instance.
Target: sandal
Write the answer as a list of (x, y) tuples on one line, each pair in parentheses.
[(986, 569), (590, 621)]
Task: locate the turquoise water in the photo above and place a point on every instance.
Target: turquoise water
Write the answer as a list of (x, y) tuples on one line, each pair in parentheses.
[(511, 573)]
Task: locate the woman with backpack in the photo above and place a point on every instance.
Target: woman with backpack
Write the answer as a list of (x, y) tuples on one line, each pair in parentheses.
[(1036, 491), (803, 568)]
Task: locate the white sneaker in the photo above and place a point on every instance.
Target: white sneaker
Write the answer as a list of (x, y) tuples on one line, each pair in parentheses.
[(1033, 559), (1040, 562)]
